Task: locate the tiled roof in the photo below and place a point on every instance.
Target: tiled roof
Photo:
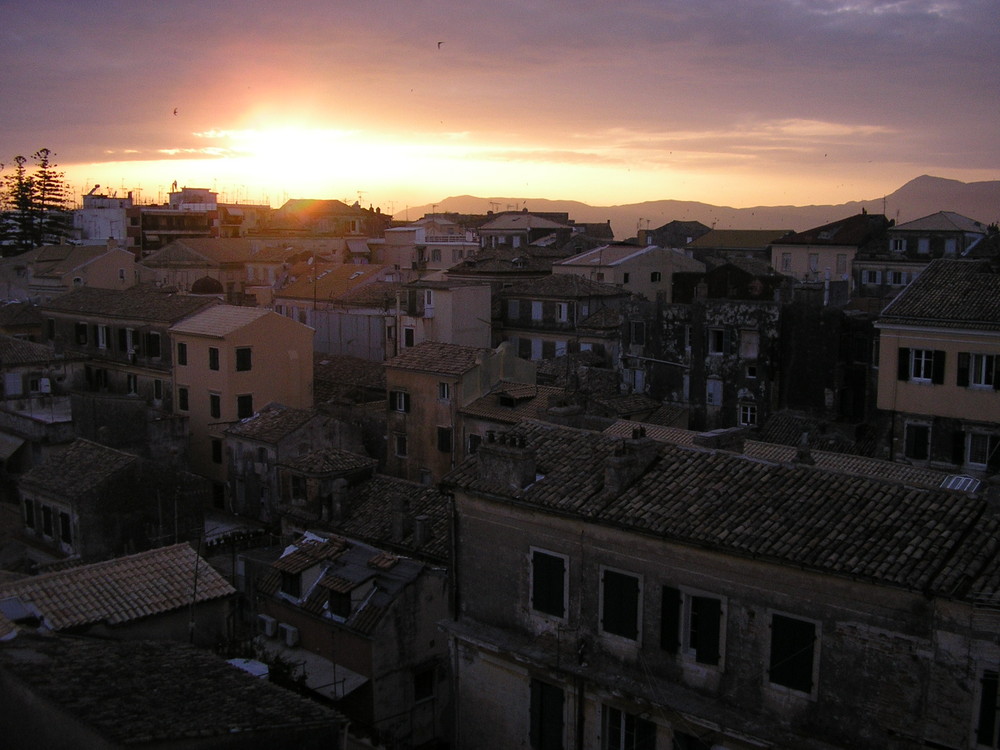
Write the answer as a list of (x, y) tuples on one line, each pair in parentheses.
[(272, 423), (215, 250), (942, 221), (846, 462), (502, 260), (220, 320), (625, 404), (120, 591), (377, 294), (305, 554), (787, 428), (20, 352), (843, 524), (339, 375), (528, 401), (439, 357), (563, 286), (951, 293), (624, 428), (58, 260), (343, 572), (13, 314), (602, 319), (331, 283), (735, 239), (370, 512), (330, 461), (157, 693), (521, 221), (141, 302), (606, 255), (855, 230), (76, 469)]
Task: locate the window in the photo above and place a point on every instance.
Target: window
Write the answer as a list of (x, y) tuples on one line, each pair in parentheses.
[(983, 450), (717, 341), (46, 520), (749, 344), (244, 360), (548, 583), (546, 716), (624, 731), (407, 337), (444, 439), (216, 451), (513, 309), (213, 358), (562, 311), (121, 274), (655, 276), (897, 245), (182, 353), (473, 443), (793, 653), (435, 255), (841, 264), (244, 406), (921, 365), (291, 584), (131, 383), (153, 345), (748, 415), (81, 334), (814, 262), (102, 337), (637, 332), (620, 604), (444, 391), (215, 405), (423, 683), (986, 726), (977, 370), (751, 371), (536, 309), (692, 625), (399, 401), (916, 441), (896, 278), (182, 398), (157, 390), (713, 391), (786, 261), (401, 445), (625, 278), (871, 277), (29, 513)]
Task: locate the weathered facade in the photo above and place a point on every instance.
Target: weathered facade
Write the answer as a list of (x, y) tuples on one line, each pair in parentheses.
[(659, 594)]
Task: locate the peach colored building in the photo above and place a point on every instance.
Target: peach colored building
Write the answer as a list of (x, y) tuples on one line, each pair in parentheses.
[(230, 362)]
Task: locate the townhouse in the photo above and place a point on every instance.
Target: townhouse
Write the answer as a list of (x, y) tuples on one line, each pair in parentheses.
[(939, 367), (647, 271), (672, 596), (827, 251)]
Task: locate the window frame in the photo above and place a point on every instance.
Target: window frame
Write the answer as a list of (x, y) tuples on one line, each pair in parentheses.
[(399, 401), (621, 730), (244, 358), (182, 353), (747, 415), (716, 341), (215, 405), (244, 407), (183, 398), (911, 430), (679, 626), (213, 358), (444, 391)]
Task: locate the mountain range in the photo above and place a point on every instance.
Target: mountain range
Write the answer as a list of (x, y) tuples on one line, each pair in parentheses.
[(919, 197)]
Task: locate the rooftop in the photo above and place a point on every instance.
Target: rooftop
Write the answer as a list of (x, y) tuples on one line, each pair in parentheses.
[(118, 591), (220, 320), (142, 302), (438, 357), (949, 293), (76, 469), (272, 423)]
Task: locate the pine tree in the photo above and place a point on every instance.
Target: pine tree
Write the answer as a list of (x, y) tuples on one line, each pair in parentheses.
[(35, 206)]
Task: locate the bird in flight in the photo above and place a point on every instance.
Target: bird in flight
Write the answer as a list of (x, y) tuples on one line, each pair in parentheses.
[(175, 111), (439, 44)]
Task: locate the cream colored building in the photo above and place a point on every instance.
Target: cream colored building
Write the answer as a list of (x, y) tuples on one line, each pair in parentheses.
[(230, 362), (648, 271)]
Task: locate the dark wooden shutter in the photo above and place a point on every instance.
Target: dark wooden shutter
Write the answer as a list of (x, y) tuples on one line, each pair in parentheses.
[(706, 616), (937, 368), (670, 617), (958, 447), (987, 725), (993, 458), (963, 369), (903, 360)]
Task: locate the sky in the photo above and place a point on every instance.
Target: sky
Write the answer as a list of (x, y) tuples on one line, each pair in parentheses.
[(404, 102)]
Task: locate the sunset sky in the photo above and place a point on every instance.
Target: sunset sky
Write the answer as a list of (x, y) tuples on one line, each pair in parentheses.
[(405, 102)]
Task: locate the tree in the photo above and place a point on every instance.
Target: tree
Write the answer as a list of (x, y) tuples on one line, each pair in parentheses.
[(35, 206)]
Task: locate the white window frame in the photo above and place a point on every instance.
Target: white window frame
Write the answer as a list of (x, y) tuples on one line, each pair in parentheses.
[(444, 391), (748, 415), (562, 312), (898, 245), (536, 309), (981, 370), (922, 361)]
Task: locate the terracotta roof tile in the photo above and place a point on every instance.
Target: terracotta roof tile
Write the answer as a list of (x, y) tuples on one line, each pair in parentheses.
[(272, 423), (439, 357), (77, 469), (305, 554), (141, 302), (952, 293), (121, 590)]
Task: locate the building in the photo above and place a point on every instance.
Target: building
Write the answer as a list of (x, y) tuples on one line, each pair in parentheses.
[(674, 234), (647, 271), (102, 217), (671, 596), (434, 245), (428, 384), (161, 603), (559, 314), (939, 367), (828, 251), (359, 625), (454, 312), (87, 502), (228, 363), (518, 229)]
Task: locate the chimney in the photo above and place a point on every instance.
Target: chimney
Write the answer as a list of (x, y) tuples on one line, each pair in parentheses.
[(803, 455), (724, 438), (112, 243), (338, 501), (629, 462), (506, 461), (400, 519)]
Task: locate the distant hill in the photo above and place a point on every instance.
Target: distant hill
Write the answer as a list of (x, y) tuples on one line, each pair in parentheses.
[(919, 197)]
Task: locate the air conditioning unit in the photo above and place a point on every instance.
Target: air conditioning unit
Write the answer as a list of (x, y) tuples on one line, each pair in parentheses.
[(267, 625), (289, 633)]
